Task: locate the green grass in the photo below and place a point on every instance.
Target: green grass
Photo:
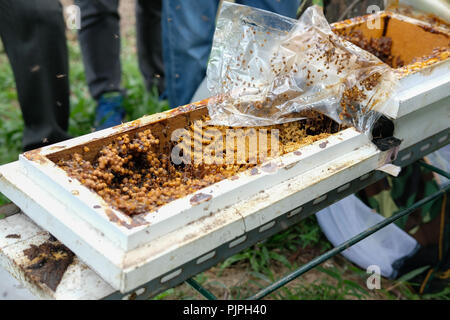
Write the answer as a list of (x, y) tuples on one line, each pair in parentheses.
[(11, 123), (324, 289)]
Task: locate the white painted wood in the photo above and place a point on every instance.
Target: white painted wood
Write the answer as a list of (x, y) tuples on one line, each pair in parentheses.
[(420, 89), (79, 281), (18, 224)]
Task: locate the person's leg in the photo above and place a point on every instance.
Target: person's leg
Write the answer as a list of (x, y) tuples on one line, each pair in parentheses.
[(33, 34), (100, 45), (99, 38), (188, 29), (148, 29), (286, 8)]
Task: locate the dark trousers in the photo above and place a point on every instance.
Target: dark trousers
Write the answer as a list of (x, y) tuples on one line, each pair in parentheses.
[(100, 44), (33, 34)]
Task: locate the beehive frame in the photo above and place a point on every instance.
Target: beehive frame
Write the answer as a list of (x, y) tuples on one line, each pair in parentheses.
[(128, 252)]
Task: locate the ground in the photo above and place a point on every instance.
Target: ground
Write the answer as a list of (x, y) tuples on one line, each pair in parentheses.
[(242, 274)]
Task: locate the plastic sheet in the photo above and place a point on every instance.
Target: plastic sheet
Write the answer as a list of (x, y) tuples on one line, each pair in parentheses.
[(268, 69)]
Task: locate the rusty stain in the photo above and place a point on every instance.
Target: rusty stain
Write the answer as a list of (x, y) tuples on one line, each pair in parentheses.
[(128, 126), (13, 236), (431, 29), (234, 178), (57, 147), (36, 156), (189, 236), (132, 296), (199, 198), (339, 167), (289, 166), (189, 107), (112, 216), (75, 192), (138, 220)]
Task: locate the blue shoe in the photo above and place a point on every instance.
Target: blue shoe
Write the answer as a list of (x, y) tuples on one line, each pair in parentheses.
[(110, 111)]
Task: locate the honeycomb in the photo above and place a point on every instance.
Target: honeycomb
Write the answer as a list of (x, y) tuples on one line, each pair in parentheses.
[(132, 174)]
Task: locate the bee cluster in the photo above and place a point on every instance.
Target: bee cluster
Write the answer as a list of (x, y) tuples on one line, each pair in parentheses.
[(133, 175), (262, 74), (380, 47)]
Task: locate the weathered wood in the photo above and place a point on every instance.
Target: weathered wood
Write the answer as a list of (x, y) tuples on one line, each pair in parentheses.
[(78, 282)]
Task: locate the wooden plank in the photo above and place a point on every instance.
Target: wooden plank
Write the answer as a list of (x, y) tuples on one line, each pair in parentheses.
[(78, 282)]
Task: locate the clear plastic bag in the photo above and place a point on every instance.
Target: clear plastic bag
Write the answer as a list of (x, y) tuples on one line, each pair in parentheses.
[(267, 69)]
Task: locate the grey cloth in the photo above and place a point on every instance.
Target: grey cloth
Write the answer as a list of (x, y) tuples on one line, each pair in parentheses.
[(100, 44), (33, 34), (386, 248)]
